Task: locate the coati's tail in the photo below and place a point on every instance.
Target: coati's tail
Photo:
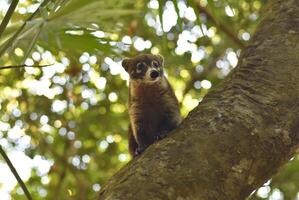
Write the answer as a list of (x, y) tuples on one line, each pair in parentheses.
[(132, 142)]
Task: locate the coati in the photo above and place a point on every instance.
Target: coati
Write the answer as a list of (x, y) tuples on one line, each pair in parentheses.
[(153, 106)]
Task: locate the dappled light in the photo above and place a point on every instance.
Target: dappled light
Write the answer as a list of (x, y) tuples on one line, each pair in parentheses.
[(64, 126)]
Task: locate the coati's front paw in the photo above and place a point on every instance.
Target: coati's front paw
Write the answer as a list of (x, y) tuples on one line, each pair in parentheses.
[(136, 153), (139, 150)]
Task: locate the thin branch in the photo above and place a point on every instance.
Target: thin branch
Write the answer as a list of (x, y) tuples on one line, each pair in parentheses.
[(23, 66), (15, 173), (221, 26), (8, 15)]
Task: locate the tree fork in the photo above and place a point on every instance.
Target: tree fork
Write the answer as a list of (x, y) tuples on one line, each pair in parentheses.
[(239, 135)]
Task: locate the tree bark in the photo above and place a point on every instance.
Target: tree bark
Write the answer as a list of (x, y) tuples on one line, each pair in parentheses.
[(239, 135)]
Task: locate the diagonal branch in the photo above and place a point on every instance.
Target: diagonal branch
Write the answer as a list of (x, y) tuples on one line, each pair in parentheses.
[(8, 15), (220, 25), (15, 173)]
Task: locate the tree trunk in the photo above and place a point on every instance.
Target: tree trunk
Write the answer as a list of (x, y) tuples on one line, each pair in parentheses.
[(239, 135)]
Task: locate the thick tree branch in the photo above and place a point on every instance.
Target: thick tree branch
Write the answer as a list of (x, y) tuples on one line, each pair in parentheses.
[(239, 135)]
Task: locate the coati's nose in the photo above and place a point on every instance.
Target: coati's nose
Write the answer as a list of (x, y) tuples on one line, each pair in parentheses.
[(154, 74)]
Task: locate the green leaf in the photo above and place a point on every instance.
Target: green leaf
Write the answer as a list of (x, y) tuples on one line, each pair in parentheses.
[(161, 5), (180, 21), (197, 13), (32, 42), (75, 43), (9, 43)]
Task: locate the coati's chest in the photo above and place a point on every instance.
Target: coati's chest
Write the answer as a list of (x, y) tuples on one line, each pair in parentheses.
[(148, 109), (147, 116), (149, 95), (149, 105)]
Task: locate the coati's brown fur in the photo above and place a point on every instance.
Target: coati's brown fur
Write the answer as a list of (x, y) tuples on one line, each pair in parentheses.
[(153, 106)]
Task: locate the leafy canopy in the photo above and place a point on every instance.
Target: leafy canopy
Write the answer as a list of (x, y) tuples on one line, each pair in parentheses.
[(64, 126)]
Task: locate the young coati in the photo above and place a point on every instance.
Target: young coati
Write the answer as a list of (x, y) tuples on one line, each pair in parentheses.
[(153, 106)]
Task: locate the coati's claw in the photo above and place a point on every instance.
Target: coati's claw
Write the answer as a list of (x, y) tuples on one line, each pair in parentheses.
[(136, 153), (139, 150)]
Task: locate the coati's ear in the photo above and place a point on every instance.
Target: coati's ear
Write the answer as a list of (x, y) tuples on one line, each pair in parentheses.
[(125, 63), (160, 59)]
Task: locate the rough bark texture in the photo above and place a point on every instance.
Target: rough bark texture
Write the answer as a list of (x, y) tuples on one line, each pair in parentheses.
[(239, 135)]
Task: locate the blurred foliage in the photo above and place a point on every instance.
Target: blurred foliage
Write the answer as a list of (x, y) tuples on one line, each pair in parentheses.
[(64, 126)]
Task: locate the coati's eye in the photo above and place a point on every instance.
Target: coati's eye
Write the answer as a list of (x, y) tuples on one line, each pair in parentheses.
[(155, 64), (140, 67)]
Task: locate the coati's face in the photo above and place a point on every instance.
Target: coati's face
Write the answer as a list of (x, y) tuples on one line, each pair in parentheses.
[(145, 68)]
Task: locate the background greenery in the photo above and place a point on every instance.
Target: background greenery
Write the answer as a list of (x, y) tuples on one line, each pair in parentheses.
[(64, 126)]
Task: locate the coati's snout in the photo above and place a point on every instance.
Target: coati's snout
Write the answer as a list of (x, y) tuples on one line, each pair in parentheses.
[(154, 74), (145, 68)]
